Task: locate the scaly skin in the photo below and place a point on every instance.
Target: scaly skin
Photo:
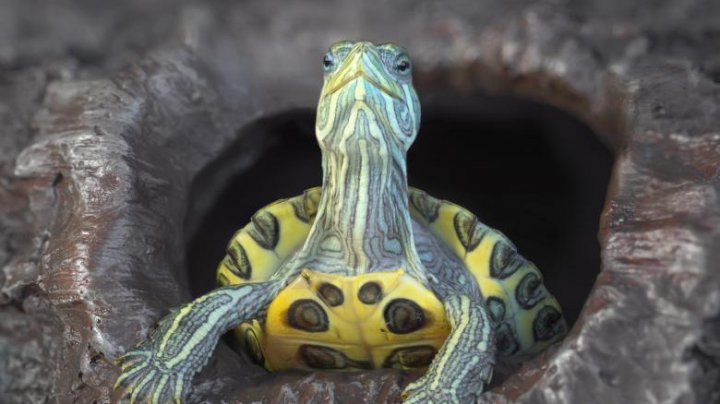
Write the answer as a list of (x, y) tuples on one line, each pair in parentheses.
[(161, 368), (368, 117), (464, 363)]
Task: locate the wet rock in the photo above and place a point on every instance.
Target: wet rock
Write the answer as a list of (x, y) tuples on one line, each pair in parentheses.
[(109, 118)]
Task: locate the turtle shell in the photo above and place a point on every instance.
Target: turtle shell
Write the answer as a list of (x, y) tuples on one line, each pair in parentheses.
[(382, 319)]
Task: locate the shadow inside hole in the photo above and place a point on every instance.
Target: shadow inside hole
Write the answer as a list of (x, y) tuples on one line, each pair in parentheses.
[(530, 170)]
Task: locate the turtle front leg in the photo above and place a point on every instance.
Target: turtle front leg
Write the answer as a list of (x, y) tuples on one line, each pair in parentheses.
[(465, 362), (160, 369)]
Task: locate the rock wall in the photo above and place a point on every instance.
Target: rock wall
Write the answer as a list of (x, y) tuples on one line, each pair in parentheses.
[(108, 113)]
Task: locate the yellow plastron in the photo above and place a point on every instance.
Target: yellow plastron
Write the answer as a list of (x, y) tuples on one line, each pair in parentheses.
[(368, 321)]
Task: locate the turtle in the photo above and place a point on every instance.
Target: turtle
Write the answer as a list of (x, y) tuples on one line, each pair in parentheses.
[(363, 272)]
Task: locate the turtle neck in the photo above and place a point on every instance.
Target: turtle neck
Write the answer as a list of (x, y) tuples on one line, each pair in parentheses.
[(363, 222)]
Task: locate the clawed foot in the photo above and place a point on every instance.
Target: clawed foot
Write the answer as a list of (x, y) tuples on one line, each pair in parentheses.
[(144, 379)]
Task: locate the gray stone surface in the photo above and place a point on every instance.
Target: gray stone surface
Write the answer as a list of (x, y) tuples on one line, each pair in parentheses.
[(108, 112)]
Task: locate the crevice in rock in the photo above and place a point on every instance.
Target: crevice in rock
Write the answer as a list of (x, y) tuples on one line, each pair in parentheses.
[(706, 354)]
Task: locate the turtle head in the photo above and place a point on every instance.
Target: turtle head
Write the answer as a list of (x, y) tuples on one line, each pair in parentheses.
[(367, 86)]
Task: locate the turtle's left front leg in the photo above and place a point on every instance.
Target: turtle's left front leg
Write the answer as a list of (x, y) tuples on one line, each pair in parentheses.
[(465, 362), (160, 369)]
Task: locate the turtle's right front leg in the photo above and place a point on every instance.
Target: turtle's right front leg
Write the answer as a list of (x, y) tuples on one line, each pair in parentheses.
[(163, 366), (464, 364)]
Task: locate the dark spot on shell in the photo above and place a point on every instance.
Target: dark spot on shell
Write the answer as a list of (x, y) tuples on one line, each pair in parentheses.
[(427, 206), (496, 307), (529, 291), (222, 279), (410, 357), (237, 260), (403, 316), (331, 294), (548, 324), (505, 340), (265, 229), (306, 207), (468, 230), (370, 293), (504, 260), (307, 315), (320, 357)]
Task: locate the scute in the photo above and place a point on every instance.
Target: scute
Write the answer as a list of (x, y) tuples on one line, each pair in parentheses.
[(237, 261), (411, 357), (426, 205), (503, 261), (370, 293), (265, 229), (331, 294), (530, 291), (305, 206), (467, 229), (403, 316), (322, 357), (547, 323), (496, 306), (307, 315)]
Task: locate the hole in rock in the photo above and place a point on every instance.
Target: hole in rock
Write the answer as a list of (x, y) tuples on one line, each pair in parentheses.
[(530, 170)]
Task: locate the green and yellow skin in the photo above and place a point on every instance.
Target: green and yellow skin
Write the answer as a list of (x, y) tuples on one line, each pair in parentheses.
[(363, 272)]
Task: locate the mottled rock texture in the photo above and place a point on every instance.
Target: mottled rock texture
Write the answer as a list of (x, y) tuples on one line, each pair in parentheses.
[(110, 113)]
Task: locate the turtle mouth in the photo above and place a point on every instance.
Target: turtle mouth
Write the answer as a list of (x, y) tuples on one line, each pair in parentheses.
[(360, 74)]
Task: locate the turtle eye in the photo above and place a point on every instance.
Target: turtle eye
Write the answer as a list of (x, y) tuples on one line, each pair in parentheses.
[(402, 65), (328, 62)]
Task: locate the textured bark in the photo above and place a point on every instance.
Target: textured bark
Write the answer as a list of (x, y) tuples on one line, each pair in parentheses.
[(108, 115)]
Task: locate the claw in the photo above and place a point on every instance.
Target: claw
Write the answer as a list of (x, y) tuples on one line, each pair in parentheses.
[(131, 354), (125, 375), (130, 358), (126, 364), (161, 368), (137, 390)]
